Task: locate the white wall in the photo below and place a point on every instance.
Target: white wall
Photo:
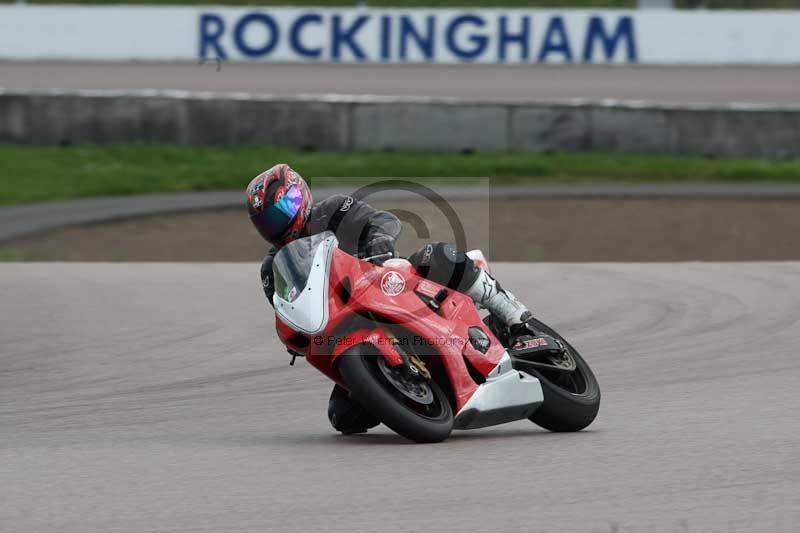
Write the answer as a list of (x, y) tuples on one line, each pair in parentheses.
[(316, 34)]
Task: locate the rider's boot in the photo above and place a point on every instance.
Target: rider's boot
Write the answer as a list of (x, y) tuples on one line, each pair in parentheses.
[(347, 415), (487, 293), (524, 340)]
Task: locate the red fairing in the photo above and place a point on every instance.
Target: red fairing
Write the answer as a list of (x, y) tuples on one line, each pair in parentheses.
[(381, 306), (376, 337)]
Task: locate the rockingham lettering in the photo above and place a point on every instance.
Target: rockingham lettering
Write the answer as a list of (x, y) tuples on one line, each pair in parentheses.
[(411, 36)]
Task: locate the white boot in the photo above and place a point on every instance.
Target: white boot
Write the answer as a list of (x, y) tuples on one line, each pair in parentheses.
[(488, 293)]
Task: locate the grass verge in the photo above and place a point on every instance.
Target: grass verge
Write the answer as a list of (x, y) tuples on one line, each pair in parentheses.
[(13, 255), (41, 174)]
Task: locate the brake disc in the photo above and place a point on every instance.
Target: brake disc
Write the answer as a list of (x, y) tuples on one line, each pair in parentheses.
[(415, 388)]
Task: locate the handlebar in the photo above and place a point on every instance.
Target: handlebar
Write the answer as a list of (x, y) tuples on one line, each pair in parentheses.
[(381, 257)]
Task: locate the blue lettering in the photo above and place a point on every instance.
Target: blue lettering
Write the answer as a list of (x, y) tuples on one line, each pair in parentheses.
[(386, 36), (344, 36), (506, 37), (424, 41), (555, 41), (597, 32), (480, 41), (294, 35), (211, 29), (259, 18)]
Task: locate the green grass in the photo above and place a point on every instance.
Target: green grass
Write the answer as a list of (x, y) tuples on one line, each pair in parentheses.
[(40, 174), (12, 255)]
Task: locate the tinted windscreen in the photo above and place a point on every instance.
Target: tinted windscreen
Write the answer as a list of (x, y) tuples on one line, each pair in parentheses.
[(293, 264)]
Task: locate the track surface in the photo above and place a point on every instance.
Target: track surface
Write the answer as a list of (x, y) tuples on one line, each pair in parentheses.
[(773, 85), (142, 397)]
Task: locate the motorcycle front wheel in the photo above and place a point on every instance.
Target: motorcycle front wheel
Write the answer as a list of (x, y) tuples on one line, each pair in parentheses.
[(419, 410)]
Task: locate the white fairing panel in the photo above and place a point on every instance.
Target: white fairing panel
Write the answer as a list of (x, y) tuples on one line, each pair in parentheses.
[(506, 396), (307, 312)]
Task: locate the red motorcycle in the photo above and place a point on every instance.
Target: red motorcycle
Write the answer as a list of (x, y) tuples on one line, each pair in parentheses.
[(418, 356)]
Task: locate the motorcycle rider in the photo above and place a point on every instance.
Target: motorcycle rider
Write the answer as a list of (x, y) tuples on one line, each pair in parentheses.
[(281, 208)]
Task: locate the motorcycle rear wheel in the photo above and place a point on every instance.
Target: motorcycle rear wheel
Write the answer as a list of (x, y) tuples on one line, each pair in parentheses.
[(368, 384), (571, 401)]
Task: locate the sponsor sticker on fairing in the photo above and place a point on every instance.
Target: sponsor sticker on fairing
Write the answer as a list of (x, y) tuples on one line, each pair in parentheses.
[(393, 283), (531, 343)]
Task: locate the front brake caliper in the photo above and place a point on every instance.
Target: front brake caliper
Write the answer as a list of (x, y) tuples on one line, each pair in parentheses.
[(418, 367), (413, 366)]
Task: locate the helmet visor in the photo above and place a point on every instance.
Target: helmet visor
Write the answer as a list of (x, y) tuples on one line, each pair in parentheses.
[(275, 220)]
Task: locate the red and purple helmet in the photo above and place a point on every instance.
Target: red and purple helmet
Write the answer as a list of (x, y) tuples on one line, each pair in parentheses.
[(279, 202)]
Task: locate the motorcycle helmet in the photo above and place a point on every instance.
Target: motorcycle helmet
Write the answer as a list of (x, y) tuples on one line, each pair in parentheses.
[(279, 202)]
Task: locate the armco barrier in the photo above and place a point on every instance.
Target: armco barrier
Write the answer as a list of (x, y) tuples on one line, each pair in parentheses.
[(343, 123)]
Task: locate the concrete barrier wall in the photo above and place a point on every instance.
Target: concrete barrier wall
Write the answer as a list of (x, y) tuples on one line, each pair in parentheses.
[(391, 123)]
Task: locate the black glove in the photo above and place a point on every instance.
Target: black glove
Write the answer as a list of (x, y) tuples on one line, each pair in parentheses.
[(379, 245)]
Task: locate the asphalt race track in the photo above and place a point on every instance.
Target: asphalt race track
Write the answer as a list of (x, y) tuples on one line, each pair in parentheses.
[(770, 85), (139, 397)]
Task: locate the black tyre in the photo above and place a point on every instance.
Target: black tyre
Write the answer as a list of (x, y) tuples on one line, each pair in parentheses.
[(571, 401), (365, 374)]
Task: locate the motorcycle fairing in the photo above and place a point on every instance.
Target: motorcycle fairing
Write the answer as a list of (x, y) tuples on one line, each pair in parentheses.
[(405, 314), (305, 306), (506, 396), (366, 312), (376, 337)]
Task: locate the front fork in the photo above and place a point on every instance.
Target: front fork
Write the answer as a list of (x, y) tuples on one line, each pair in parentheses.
[(389, 347)]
